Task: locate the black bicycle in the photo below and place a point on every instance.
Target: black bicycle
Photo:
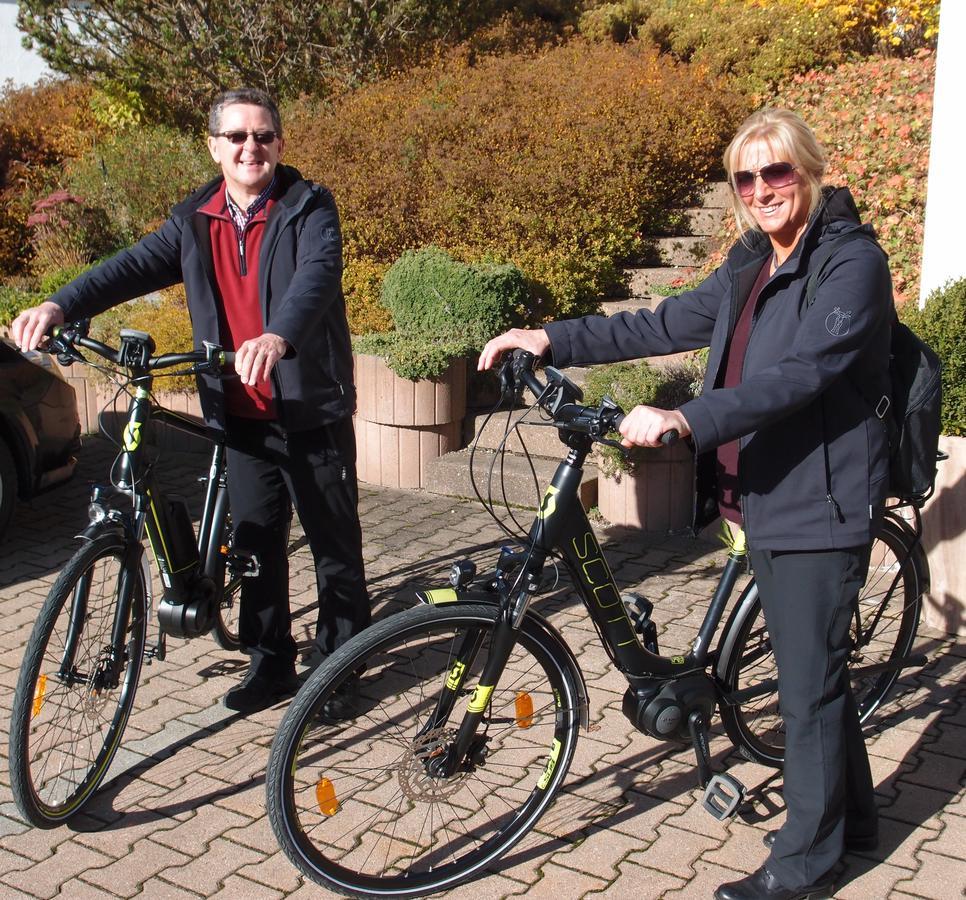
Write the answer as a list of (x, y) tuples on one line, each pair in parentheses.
[(470, 704), (83, 660)]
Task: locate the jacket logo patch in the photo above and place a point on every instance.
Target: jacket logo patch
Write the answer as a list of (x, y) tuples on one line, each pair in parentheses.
[(837, 322)]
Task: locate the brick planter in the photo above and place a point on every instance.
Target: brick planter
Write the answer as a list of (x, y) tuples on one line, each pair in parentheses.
[(658, 497), (401, 424), (944, 537)]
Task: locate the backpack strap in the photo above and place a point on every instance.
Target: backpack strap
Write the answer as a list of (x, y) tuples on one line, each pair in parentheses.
[(823, 254)]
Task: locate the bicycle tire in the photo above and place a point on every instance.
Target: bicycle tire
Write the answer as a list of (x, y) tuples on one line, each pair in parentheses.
[(397, 832), (225, 630), (756, 727), (63, 739)]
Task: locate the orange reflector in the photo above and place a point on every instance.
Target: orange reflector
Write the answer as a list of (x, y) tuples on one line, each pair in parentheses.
[(524, 708), (326, 798), (223, 550), (39, 696)]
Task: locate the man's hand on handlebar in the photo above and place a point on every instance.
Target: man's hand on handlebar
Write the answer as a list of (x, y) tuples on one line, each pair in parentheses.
[(644, 425), (30, 328), (255, 359), (534, 340)]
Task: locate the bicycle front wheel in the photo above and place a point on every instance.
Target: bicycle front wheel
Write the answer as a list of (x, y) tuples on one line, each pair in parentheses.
[(888, 618), (73, 700), (354, 802)]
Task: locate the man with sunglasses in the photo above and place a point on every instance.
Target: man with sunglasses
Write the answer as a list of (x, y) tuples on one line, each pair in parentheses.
[(260, 253)]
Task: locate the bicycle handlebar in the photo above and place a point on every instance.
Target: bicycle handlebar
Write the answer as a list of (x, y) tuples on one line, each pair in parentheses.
[(135, 351), (560, 398)]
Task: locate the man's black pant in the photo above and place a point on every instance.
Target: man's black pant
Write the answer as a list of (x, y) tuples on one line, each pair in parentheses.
[(808, 599), (316, 469)]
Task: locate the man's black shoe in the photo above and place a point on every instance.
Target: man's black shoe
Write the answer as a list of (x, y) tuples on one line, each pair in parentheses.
[(344, 702), (854, 843), (762, 885), (260, 690)]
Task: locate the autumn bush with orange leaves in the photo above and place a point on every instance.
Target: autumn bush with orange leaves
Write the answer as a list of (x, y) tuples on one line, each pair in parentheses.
[(559, 161), (874, 118)]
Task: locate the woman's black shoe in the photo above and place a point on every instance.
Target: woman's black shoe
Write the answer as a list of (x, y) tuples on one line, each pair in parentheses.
[(854, 843), (762, 885)]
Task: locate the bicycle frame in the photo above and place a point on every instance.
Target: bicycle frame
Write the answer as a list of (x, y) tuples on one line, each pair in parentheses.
[(562, 524)]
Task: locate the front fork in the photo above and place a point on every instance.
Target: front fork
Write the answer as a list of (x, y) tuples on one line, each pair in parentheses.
[(504, 638), (114, 655)]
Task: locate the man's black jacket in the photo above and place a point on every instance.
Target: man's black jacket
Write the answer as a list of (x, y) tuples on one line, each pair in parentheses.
[(300, 286), (813, 462)]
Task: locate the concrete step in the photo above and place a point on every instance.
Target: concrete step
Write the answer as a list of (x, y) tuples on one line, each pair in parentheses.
[(641, 281), (717, 196), (616, 305), (689, 250), (450, 475), (700, 221), (539, 440)]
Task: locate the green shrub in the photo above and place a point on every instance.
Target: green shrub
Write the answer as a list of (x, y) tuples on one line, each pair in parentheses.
[(757, 44), (558, 161), (631, 384), (942, 325), (428, 292), (442, 309), (138, 174), (413, 356), (14, 299)]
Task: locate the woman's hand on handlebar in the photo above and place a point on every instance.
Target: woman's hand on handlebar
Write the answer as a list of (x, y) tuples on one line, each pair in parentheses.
[(32, 325), (534, 340), (644, 425)]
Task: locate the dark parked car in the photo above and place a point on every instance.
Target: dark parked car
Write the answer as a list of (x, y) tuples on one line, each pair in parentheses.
[(39, 427)]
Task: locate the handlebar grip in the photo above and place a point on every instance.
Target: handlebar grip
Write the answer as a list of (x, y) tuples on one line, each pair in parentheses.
[(670, 438)]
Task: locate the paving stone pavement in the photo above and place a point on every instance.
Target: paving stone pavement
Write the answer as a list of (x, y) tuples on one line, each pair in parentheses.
[(181, 813)]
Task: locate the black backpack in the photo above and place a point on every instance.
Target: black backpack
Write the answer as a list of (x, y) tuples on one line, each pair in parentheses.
[(912, 412)]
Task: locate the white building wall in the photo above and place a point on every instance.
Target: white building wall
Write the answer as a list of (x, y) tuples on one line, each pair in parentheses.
[(943, 257), (22, 66)]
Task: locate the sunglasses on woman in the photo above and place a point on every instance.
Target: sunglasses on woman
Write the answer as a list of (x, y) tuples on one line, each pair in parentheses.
[(775, 175), (239, 137)]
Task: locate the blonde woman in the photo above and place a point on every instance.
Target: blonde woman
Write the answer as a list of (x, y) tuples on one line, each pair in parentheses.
[(788, 449)]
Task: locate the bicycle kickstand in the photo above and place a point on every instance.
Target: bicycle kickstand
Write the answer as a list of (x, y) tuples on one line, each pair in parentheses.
[(723, 793)]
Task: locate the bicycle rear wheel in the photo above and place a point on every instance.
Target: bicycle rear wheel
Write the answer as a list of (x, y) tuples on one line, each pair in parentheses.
[(68, 717), (225, 630), (889, 605), (353, 802)]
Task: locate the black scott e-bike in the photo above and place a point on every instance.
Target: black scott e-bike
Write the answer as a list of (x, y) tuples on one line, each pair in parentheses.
[(83, 660), (469, 705)]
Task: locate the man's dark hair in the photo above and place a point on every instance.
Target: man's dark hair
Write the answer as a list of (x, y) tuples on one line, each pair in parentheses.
[(249, 96)]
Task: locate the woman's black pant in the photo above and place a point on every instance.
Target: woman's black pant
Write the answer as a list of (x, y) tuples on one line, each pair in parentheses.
[(268, 470), (809, 600)]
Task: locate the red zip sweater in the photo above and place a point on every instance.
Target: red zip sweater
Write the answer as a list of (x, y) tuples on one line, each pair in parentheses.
[(239, 312)]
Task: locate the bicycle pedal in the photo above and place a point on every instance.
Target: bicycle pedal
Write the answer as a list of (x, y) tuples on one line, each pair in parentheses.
[(723, 795)]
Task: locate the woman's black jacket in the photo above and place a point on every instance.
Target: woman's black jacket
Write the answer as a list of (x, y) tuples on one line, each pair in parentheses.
[(300, 287), (813, 459)]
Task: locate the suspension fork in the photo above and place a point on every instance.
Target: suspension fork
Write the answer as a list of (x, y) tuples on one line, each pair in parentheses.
[(502, 644), (464, 658)]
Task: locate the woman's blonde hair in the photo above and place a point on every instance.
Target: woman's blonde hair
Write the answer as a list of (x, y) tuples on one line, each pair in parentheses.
[(791, 140)]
